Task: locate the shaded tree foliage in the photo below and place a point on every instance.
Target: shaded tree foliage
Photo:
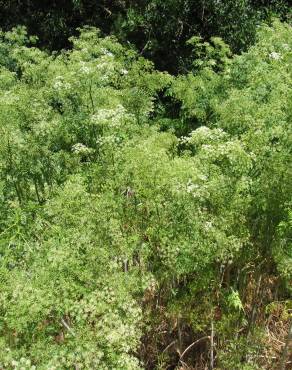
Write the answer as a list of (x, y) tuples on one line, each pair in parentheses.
[(158, 28)]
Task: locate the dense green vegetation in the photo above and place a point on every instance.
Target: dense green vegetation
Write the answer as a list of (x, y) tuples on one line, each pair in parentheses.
[(145, 217)]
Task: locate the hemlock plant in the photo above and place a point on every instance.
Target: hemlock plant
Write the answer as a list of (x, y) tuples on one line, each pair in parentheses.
[(112, 223)]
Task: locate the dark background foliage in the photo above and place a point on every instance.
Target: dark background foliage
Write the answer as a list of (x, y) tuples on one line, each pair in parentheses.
[(159, 29)]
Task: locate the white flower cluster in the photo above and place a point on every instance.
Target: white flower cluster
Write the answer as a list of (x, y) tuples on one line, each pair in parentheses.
[(184, 139), (274, 55), (108, 140), (208, 225), (191, 187), (107, 68), (80, 148), (203, 134), (106, 52), (23, 363), (60, 84), (84, 69), (196, 190), (110, 117), (102, 66), (217, 151), (233, 151)]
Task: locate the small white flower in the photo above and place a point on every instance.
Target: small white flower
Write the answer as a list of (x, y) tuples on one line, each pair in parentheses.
[(124, 71)]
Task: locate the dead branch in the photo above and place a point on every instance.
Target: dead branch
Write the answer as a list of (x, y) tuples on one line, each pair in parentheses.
[(191, 345)]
